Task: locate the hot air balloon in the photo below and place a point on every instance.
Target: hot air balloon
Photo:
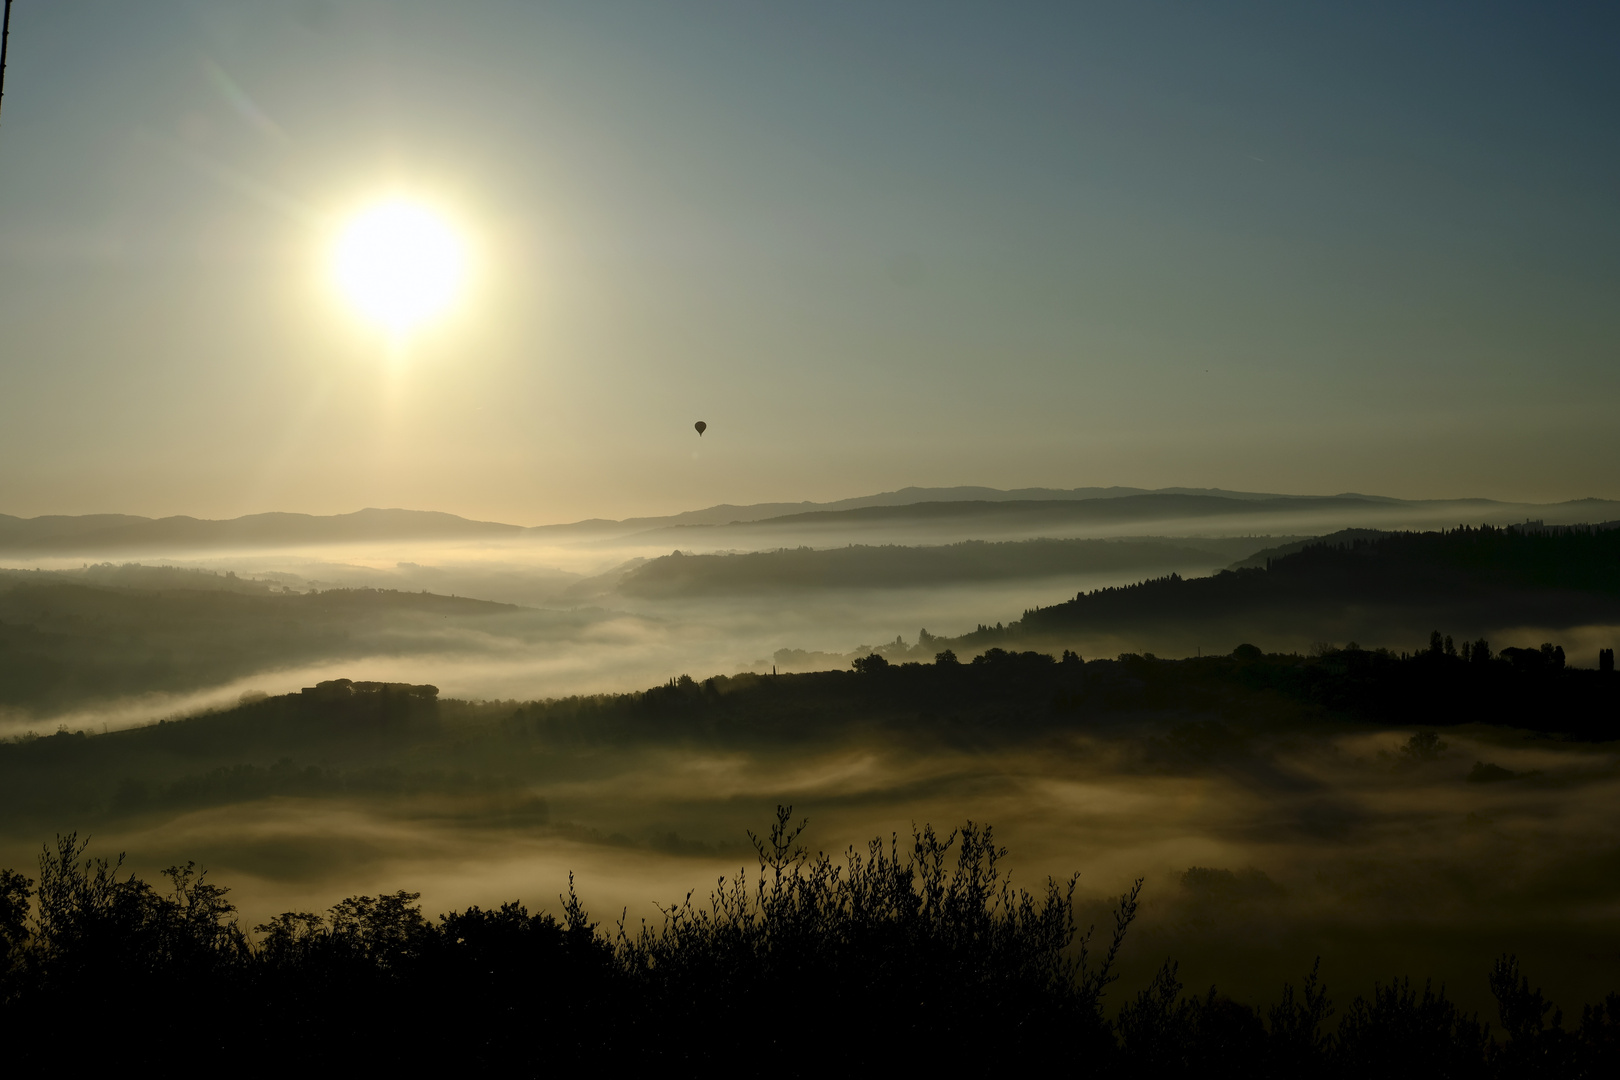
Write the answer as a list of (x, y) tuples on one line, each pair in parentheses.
[(701, 428)]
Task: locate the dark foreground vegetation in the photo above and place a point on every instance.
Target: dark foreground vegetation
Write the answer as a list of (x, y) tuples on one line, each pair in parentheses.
[(922, 957)]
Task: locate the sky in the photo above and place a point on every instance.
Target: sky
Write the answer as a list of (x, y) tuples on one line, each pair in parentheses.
[(1278, 247)]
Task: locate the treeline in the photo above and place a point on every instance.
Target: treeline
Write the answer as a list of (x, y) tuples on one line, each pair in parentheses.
[(915, 957), (1006, 694)]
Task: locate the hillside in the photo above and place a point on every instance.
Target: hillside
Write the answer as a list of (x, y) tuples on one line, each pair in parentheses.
[(66, 638), (893, 566), (369, 739), (1547, 577)]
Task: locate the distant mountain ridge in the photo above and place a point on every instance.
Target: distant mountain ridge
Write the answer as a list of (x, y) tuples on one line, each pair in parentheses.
[(126, 532), (729, 513), (1117, 516), (1144, 507), (123, 532)]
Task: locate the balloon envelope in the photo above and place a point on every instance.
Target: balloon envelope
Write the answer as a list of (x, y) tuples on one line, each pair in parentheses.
[(701, 427)]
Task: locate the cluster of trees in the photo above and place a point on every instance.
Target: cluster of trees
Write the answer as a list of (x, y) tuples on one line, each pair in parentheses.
[(1450, 683), (915, 956), (1443, 684), (1549, 657)]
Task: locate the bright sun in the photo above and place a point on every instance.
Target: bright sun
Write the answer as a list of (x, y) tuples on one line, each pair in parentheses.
[(399, 264)]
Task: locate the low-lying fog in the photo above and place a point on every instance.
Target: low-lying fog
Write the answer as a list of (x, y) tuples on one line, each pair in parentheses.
[(575, 633), (589, 620), (1320, 841), (1332, 842)]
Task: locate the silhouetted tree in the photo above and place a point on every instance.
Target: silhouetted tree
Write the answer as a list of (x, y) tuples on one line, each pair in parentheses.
[(1537, 1045), (870, 664), (1400, 1033), (1298, 1042), (15, 891), (1600, 1037)]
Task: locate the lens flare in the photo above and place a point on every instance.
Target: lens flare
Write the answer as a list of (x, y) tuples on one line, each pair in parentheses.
[(399, 264)]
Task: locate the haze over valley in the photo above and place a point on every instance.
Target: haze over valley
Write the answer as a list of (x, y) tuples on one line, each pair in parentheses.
[(654, 539), (484, 609)]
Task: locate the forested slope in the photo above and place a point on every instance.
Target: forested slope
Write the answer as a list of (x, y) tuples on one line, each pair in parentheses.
[(1549, 577)]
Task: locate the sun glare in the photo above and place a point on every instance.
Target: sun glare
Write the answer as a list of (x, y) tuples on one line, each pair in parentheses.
[(399, 264)]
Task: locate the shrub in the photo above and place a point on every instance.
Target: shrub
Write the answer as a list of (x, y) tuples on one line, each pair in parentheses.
[(934, 950)]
